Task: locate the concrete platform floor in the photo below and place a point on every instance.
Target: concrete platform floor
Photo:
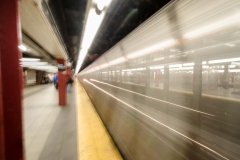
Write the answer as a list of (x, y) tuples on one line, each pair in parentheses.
[(72, 132)]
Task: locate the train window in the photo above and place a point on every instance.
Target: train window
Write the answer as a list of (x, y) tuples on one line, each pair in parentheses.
[(134, 76), (222, 78), (113, 74), (181, 77), (105, 76), (117, 76), (156, 76), (110, 76)]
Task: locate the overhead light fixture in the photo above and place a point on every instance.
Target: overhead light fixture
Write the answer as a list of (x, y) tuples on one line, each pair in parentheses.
[(29, 59), (102, 3), (34, 63), (43, 67), (93, 23), (224, 60), (100, 6), (22, 48), (204, 62)]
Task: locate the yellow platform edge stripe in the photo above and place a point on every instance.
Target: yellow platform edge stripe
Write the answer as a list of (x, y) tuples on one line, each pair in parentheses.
[(94, 142)]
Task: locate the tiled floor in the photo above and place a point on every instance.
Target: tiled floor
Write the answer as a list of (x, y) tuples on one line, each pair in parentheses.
[(94, 141), (64, 133), (50, 130), (30, 90)]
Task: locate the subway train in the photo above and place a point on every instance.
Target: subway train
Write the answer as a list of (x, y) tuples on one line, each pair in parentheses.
[(170, 90)]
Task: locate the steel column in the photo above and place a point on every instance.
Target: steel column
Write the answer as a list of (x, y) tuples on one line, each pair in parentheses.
[(11, 82)]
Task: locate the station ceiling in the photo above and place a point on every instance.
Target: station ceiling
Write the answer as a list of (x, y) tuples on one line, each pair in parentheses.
[(67, 19)]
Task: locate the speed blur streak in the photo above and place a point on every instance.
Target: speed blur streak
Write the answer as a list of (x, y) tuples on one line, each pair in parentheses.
[(152, 98), (155, 119), (171, 89)]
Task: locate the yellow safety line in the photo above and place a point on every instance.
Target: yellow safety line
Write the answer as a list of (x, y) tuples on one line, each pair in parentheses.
[(94, 142)]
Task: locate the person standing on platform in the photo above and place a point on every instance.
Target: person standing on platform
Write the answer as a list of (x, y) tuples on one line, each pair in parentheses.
[(55, 80), (69, 83)]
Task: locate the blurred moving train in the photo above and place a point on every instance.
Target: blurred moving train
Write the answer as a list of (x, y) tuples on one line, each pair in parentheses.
[(171, 89)]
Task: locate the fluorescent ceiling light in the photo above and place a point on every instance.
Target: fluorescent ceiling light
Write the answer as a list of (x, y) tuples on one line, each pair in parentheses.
[(93, 23), (34, 63), (224, 60), (100, 6), (22, 47), (102, 3), (204, 62), (188, 64), (44, 67), (29, 59), (152, 49), (214, 27)]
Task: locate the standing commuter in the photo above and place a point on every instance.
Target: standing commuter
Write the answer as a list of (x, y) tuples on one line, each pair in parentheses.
[(69, 83), (55, 80)]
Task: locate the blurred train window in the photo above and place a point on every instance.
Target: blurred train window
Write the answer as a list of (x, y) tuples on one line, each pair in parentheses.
[(181, 77), (156, 76), (117, 76), (105, 76), (222, 78), (110, 76), (134, 76)]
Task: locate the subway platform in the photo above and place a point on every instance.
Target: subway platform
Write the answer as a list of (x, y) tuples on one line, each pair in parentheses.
[(72, 132)]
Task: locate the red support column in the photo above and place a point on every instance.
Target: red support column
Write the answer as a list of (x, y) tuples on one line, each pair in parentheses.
[(62, 88), (10, 83), (1, 119), (62, 85)]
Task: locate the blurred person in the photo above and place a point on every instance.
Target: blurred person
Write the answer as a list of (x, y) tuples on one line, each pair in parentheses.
[(69, 83), (55, 80)]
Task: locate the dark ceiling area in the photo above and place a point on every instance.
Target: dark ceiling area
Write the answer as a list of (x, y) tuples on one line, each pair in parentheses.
[(69, 16), (122, 17)]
